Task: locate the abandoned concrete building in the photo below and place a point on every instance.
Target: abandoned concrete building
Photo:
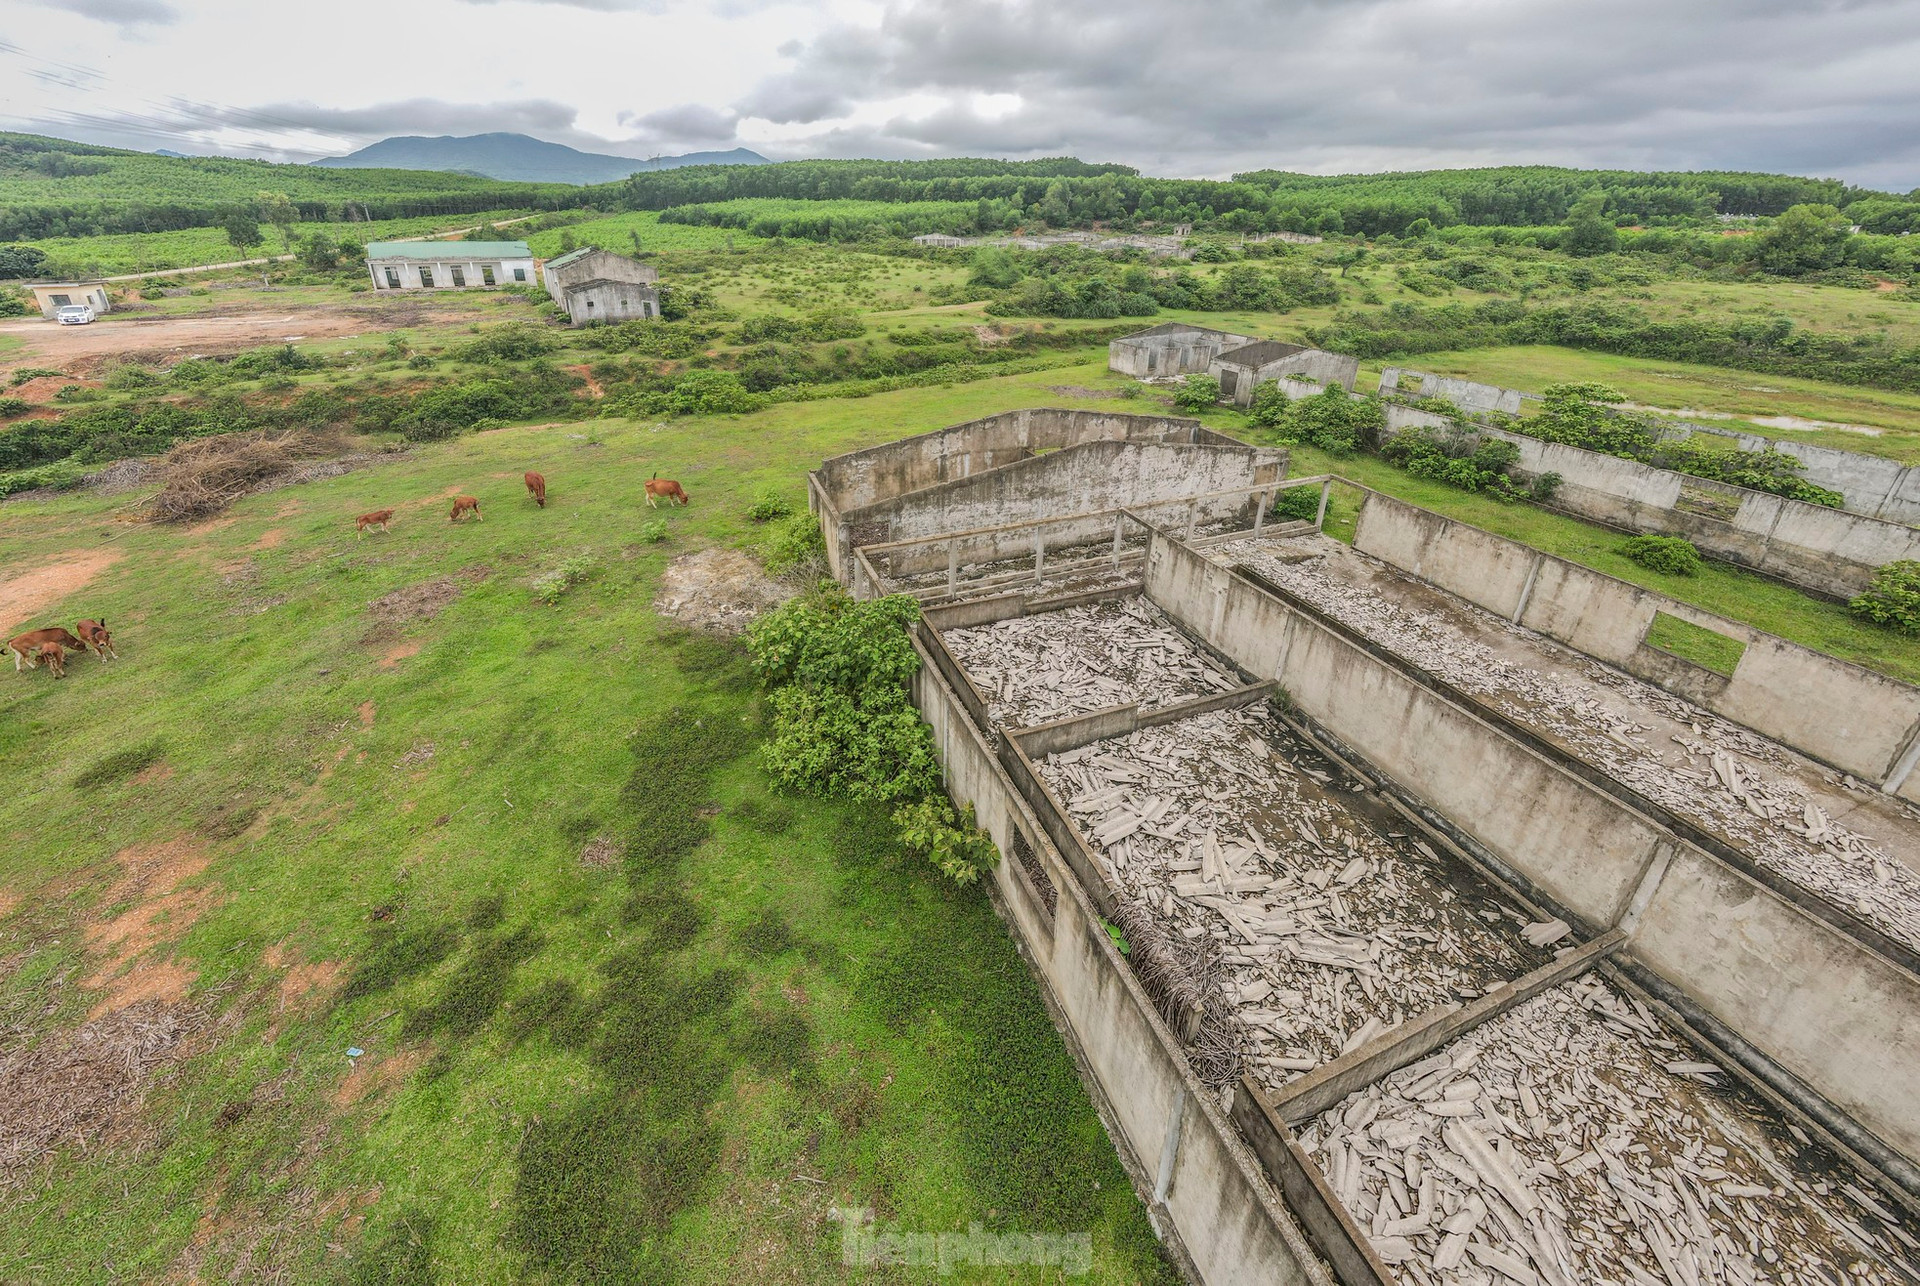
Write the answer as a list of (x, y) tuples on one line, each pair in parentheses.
[(595, 285), (448, 265), (52, 296), (1473, 936), (1241, 370), (1171, 348)]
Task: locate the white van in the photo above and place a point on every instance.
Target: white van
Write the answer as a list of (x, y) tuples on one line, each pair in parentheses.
[(73, 314)]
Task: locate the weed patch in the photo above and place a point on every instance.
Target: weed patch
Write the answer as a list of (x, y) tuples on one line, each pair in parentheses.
[(119, 765)]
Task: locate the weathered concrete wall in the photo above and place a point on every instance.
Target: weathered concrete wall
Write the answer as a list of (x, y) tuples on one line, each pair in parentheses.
[(866, 477), (1841, 714), (1238, 381), (1468, 395), (1170, 350), (1873, 485), (1077, 479), (1826, 550), (1218, 1214), (1824, 1008)]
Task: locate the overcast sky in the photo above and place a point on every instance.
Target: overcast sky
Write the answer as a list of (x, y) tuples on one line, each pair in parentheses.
[(1188, 89)]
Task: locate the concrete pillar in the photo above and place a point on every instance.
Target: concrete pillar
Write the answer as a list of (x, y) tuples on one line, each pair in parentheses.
[(1320, 517), (953, 567), (1119, 529), (1039, 553), (1260, 510), (1193, 518)]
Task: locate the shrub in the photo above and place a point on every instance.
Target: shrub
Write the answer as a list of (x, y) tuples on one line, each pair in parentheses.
[(1270, 407), (1457, 457), (25, 373), (1297, 504), (797, 545), (770, 505), (1669, 555), (951, 841), (549, 587), (1198, 393), (1893, 599), (12, 406), (1335, 420), (653, 531)]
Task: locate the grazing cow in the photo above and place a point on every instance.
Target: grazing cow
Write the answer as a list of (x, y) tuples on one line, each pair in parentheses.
[(378, 518), (25, 647), (537, 488), (94, 635), (659, 488), (464, 504), (56, 658)]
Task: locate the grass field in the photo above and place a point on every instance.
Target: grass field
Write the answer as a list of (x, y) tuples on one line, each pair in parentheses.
[(616, 232), (310, 832)]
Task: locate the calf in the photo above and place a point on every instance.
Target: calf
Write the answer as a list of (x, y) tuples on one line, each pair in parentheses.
[(56, 658), (537, 488), (659, 488), (378, 518), (26, 646), (464, 504), (94, 635)]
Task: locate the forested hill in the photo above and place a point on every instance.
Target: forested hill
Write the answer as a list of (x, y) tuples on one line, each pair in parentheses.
[(51, 187), (1066, 192), (518, 158)]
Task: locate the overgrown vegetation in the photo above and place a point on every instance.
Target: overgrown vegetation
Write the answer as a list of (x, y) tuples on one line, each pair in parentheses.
[(1893, 599), (1669, 555)]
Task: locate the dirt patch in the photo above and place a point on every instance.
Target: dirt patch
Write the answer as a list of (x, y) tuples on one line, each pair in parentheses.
[(40, 389), (374, 1073), (302, 982), (366, 714), (153, 775), (8, 901), (393, 656), (1885, 287), (988, 336), (1075, 390), (718, 589), (271, 539), (160, 912), (30, 593), (601, 854), (83, 1086), (586, 373), (410, 603)]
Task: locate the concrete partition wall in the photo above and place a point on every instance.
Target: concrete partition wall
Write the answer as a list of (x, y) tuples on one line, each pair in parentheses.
[(1202, 1186), (1839, 713), (1821, 1010), (1077, 479), (1873, 485)]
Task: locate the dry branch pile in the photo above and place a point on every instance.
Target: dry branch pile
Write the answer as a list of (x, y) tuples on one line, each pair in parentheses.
[(203, 476)]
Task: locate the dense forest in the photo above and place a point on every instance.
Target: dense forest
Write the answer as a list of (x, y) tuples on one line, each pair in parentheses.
[(50, 187)]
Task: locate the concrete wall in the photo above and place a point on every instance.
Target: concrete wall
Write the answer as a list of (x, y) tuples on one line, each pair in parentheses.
[(861, 478), (1828, 551), (1873, 485), (1817, 1005), (1842, 714), (596, 264), (474, 270), (1077, 479), (1161, 353), (53, 297), (605, 300), (1316, 364), (1216, 1211), (1468, 395)]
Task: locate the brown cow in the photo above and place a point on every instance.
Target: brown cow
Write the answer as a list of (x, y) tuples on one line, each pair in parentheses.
[(659, 488), (94, 635), (537, 488), (25, 647), (464, 504), (378, 518), (56, 658)]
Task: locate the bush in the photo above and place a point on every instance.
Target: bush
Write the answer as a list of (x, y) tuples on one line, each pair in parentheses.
[(12, 406), (1297, 504), (1893, 599), (1335, 420), (770, 505), (550, 587), (951, 841), (1457, 457), (797, 545), (1669, 555), (653, 531), (1198, 393)]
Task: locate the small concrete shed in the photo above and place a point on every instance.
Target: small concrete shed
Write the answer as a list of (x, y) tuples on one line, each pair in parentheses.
[(1241, 370), (1171, 348), (52, 296), (606, 300)]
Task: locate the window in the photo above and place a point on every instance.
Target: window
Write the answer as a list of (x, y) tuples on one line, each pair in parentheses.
[(486, 274), (426, 277), (519, 274), (393, 279), (61, 301), (459, 275)]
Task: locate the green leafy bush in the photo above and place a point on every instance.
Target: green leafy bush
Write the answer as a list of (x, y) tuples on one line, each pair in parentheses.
[(770, 504), (797, 545), (653, 531), (1297, 504), (1198, 393), (1335, 421), (1457, 457), (1893, 599), (951, 841), (1670, 555), (12, 406), (549, 587)]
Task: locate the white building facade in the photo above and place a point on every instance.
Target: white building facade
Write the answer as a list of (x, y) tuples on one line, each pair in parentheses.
[(449, 265)]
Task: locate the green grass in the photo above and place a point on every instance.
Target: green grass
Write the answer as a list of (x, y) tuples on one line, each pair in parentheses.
[(616, 233), (570, 1073), (1695, 643)]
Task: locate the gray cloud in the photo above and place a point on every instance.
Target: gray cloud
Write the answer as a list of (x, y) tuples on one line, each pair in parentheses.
[(1823, 88), (688, 123), (120, 13)]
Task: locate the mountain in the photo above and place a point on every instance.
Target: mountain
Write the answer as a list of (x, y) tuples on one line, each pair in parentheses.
[(518, 157)]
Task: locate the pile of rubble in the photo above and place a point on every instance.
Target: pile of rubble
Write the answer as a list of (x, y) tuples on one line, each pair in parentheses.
[(1325, 929), (1715, 777), (1031, 669), (1573, 1140)]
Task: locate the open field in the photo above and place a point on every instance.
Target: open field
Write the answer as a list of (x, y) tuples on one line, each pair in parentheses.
[(305, 824)]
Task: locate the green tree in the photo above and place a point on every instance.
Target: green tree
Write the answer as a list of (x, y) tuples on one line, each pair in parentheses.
[(567, 244), (1588, 231), (318, 252), (1806, 238), (243, 231), (277, 210)]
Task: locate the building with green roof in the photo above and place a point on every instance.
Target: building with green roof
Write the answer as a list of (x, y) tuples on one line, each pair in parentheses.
[(448, 265)]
